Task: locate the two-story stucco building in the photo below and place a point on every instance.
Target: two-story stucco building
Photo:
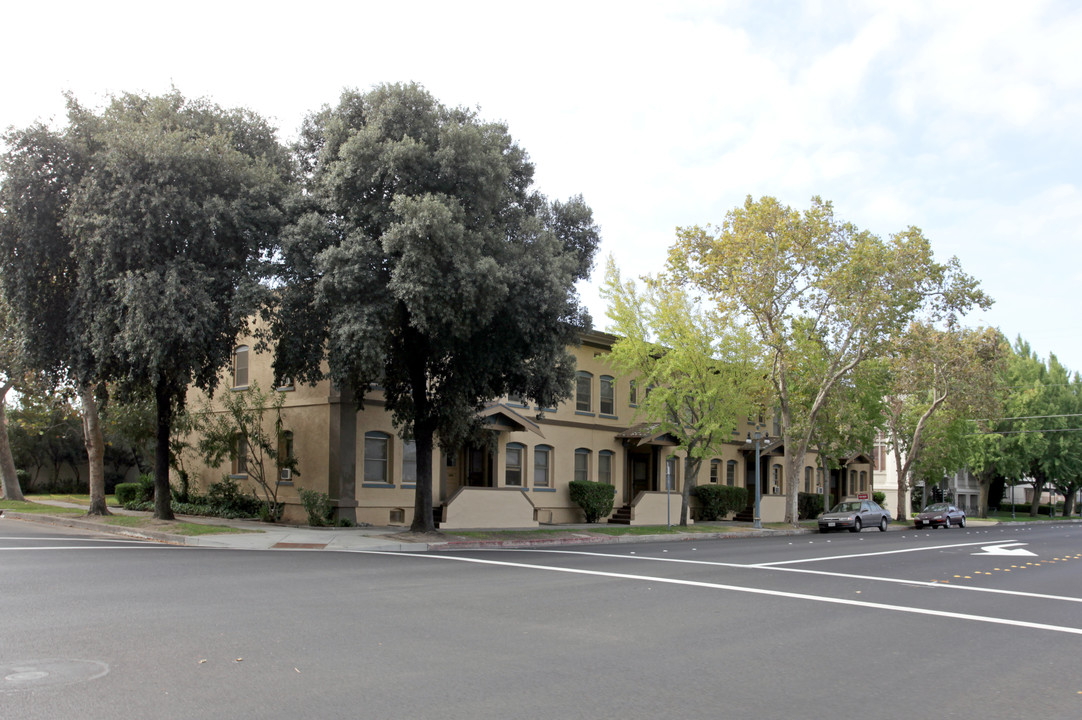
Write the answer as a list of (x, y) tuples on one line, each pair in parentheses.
[(520, 479)]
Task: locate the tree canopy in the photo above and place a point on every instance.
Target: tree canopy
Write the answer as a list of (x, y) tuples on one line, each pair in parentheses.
[(820, 294), (421, 261), (142, 229), (701, 375)]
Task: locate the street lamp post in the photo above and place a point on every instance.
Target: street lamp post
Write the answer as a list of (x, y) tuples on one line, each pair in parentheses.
[(758, 439)]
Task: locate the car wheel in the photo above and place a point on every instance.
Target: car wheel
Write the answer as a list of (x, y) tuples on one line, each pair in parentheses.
[(947, 523), (882, 525), (856, 526), (962, 521)]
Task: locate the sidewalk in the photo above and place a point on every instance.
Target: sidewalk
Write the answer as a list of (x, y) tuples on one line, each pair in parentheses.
[(271, 536)]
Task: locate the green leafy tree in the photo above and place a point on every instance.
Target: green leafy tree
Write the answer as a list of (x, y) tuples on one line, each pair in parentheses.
[(248, 430), (950, 375), (11, 369), (808, 285), (421, 261), (41, 169), (703, 373), (177, 204)]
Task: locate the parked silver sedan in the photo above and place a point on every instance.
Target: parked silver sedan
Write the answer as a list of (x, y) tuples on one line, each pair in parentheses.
[(940, 515), (854, 516)]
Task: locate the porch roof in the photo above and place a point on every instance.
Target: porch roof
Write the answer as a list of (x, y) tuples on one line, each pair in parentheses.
[(647, 434), (500, 417)]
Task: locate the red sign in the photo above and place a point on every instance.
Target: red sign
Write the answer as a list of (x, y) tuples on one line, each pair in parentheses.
[(862, 496)]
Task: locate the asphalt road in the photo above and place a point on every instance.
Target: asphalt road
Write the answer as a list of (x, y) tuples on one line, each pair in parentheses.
[(973, 623)]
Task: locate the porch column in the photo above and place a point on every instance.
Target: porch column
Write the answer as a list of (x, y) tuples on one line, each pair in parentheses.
[(342, 446)]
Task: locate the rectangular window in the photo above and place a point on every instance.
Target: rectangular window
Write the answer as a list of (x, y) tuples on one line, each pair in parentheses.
[(604, 467), (240, 455), (513, 466), (240, 367), (730, 473), (583, 389), (714, 464), (633, 394), (608, 396), (582, 465), (285, 455), (409, 463), (376, 446), (541, 457)]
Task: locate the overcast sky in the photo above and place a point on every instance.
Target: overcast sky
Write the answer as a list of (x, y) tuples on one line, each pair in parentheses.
[(962, 118)]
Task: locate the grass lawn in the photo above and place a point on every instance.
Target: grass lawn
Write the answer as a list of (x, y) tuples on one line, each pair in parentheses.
[(172, 527)]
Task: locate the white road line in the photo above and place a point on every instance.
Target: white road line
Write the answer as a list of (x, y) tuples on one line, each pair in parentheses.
[(144, 546), (736, 588), (874, 578), (871, 554)]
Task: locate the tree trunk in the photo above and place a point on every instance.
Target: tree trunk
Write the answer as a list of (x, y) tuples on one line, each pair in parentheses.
[(95, 450), (163, 502), (423, 522), (691, 479), (1038, 489), (9, 480)]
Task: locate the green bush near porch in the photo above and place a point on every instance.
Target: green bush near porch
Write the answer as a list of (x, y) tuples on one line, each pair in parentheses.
[(595, 498), (808, 505), (717, 501)]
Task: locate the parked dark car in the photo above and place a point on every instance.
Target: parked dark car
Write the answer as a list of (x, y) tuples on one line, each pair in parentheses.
[(854, 516), (940, 515)]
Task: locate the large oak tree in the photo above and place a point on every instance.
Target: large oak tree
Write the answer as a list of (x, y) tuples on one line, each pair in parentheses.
[(168, 207), (422, 261)]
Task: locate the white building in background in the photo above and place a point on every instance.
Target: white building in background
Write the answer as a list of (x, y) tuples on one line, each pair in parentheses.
[(885, 475)]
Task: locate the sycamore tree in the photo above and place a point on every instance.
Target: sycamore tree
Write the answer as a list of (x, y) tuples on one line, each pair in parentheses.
[(702, 374), (422, 261), (808, 285), (160, 210), (949, 375)]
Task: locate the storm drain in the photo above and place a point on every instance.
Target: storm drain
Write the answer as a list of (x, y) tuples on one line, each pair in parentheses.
[(35, 674)]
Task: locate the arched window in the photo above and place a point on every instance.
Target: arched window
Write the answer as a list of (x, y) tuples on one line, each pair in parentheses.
[(542, 466), (604, 466), (582, 464), (513, 464), (715, 470), (633, 394), (377, 447), (863, 480), (584, 387), (608, 395), (240, 367), (808, 472)]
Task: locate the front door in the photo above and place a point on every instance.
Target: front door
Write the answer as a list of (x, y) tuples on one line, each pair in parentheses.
[(640, 475), (477, 474)]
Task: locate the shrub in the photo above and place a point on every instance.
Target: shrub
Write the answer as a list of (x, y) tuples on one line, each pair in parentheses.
[(808, 505), (318, 505), (128, 492), (880, 498), (595, 498), (146, 488), (717, 501), (226, 496)]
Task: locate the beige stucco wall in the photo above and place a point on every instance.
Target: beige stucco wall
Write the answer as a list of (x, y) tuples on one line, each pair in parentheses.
[(312, 414)]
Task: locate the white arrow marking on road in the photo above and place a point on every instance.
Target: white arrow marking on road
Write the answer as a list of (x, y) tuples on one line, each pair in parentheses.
[(1005, 549)]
